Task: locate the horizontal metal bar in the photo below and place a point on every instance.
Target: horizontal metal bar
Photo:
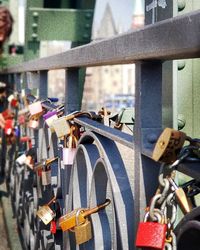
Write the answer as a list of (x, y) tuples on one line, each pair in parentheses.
[(174, 38), (63, 24), (111, 133)]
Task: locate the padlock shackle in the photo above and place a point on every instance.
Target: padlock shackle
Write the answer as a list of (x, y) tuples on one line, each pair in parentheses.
[(50, 161), (51, 201), (74, 115), (96, 209)]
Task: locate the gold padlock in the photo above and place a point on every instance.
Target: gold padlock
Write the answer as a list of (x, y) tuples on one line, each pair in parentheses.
[(168, 145), (68, 221), (181, 197), (45, 213), (83, 231)]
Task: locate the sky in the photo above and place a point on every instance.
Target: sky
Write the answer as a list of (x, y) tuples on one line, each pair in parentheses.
[(122, 11)]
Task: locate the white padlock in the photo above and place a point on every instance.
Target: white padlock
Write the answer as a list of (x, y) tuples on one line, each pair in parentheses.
[(46, 177), (21, 159), (68, 155)]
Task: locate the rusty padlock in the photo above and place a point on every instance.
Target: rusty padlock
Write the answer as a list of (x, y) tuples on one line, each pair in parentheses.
[(168, 145)]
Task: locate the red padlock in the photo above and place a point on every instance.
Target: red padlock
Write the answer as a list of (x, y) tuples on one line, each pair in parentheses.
[(14, 103), (151, 235), (26, 139), (7, 114), (8, 127), (53, 227)]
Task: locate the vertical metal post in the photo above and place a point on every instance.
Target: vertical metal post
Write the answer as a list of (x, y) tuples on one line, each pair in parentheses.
[(155, 12), (43, 84), (17, 78), (25, 84), (71, 104), (148, 121), (72, 90)]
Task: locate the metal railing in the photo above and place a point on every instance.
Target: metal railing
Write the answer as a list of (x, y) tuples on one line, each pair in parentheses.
[(101, 165)]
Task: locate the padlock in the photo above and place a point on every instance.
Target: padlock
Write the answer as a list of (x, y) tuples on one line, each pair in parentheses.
[(168, 145), (21, 119), (49, 118), (46, 176), (26, 139), (16, 131), (61, 127), (69, 149), (181, 197), (151, 235), (68, 221), (8, 129), (7, 114), (29, 162), (21, 159), (44, 170), (14, 103), (30, 158), (45, 213), (53, 227), (10, 98), (35, 108), (83, 231), (23, 111), (33, 124), (49, 114), (68, 155)]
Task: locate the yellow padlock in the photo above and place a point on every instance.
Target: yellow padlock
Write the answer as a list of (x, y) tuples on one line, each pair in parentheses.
[(69, 220)]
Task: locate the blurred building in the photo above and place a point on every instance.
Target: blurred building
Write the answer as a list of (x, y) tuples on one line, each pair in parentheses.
[(104, 83), (138, 15)]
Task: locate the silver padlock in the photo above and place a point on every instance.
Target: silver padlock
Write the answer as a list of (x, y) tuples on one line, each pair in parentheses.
[(61, 127)]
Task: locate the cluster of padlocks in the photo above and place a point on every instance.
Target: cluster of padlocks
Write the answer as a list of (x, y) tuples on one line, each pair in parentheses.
[(60, 202), (67, 183), (159, 230)]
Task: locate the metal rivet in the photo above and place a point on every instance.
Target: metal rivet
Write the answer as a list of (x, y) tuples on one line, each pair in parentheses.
[(34, 25), (34, 35), (87, 26), (88, 15), (35, 14), (181, 5), (181, 64), (181, 121), (152, 138), (86, 36)]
